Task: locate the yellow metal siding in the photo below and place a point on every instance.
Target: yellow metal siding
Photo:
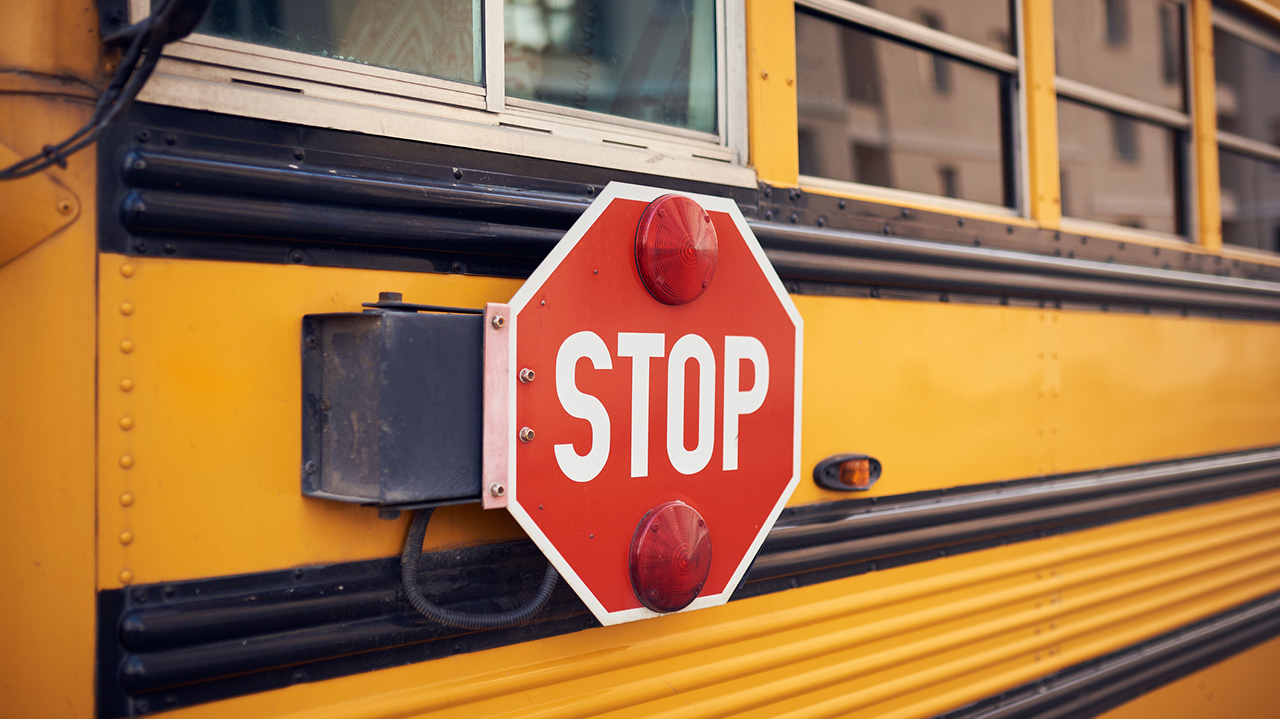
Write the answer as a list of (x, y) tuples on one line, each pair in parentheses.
[(1242, 686), (47, 346), (943, 393), (908, 642)]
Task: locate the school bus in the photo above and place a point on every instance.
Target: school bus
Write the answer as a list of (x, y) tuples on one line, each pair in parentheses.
[(1036, 249)]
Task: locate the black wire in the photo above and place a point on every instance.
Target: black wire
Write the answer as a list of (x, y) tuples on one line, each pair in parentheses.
[(120, 93), (448, 617)]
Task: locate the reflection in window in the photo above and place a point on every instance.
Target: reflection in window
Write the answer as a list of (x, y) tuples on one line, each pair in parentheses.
[(986, 22), (1250, 201), (651, 60), (1117, 16), (940, 66), (1133, 47), (1248, 95), (1124, 134), (1118, 184), (882, 122), (440, 38)]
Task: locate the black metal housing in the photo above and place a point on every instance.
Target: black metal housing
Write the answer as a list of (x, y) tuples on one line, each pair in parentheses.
[(392, 404)]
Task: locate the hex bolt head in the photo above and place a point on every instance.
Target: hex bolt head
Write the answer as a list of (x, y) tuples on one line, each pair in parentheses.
[(526, 434), (526, 375), (497, 490), (498, 322)]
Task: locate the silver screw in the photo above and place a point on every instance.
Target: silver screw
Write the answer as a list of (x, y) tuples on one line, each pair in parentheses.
[(526, 375), (498, 322), (526, 434), (497, 490)]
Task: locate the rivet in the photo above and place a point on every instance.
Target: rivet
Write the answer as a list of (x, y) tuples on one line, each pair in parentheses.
[(126, 270), (526, 434), (126, 385), (126, 576), (126, 346), (498, 322), (311, 467), (497, 490), (126, 461), (126, 423), (126, 308), (126, 537), (526, 375), (64, 207), (791, 81), (764, 74), (126, 500)]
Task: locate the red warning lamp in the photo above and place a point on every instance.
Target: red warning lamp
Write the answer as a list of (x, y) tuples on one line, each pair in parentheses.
[(676, 249), (670, 557)]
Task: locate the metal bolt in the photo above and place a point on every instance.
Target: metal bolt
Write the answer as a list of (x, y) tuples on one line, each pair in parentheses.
[(126, 500), (126, 423), (126, 461), (143, 136), (497, 490), (126, 385), (126, 308), (126, 346), (126, 537), (498, 322), (170, 248), (457, 173), (126, 576), (310, 467), (526, 434), (312, 342), (64, 207), (526, 375), (299, 154), (170, 139), (297, 257), (126, 270)]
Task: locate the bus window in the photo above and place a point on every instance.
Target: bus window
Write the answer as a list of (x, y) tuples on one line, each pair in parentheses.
[(1247, 67), (652, 60), (900, 103), (1123, 127), (440, 39)]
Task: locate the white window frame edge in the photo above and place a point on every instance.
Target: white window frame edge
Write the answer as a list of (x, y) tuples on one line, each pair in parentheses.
[(207, 73), (913, 32)]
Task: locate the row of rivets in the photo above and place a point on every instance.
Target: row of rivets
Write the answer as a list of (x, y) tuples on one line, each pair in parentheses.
[(126, 423)]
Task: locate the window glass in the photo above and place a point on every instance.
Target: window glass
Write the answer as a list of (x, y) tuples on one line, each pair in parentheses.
[(1118, 169), (1248, 88), (441, 38), (1133, 47), (1250, 201), (652, 60), (986, 22), (880, 112)]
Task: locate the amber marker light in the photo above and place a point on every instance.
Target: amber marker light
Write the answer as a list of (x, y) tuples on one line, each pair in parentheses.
[(847, 472), (676, 249), (670, 557)]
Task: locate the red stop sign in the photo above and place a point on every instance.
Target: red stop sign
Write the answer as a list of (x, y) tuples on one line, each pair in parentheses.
[(604, 403)]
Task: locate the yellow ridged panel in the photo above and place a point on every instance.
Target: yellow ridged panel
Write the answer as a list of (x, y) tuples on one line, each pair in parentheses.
[(47, 343), (1242, 686), (944, 394), (771, 91), (1042, 111), (903, 643)]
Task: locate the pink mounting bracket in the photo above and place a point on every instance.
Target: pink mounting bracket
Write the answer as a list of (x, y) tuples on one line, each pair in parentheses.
[(499, 329)]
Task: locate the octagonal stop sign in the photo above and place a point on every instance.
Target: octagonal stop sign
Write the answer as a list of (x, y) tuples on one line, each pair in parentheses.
[(642, 402)]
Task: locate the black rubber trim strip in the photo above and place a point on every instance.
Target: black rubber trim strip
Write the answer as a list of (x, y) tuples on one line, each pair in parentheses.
[(216, 187), (202, 640), (1097, 686)]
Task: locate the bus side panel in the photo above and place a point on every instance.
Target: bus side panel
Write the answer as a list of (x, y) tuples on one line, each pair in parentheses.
[(47, 343), (1242, 686)]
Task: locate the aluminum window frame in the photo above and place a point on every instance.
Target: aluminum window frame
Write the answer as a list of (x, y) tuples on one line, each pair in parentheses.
[(222, 75), (1012, 68)]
